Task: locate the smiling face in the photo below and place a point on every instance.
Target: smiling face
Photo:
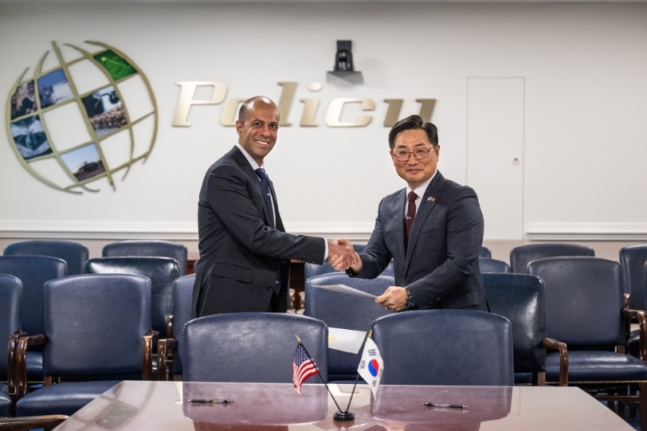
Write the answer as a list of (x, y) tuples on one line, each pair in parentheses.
[(258, 130), (414, 171)]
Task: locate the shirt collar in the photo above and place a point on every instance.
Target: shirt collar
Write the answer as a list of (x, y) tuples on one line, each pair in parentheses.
[(249, 158), (420, 190)]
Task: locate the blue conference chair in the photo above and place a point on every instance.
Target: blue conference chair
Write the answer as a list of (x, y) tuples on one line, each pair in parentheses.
[(493, 266), (584, 309), (149, 249), (520, 299), (73, 253), (632, 260), (485, 252), (521, 256), (162, 272), (10, 288), (97, 332), (250, 347), (33, 271), (445, 347), (169, 355), (339, 310)]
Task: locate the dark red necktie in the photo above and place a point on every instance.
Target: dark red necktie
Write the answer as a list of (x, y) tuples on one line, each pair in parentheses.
[(411, 215)]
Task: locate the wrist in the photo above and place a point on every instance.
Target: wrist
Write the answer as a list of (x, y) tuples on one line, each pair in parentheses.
[(410, 304)]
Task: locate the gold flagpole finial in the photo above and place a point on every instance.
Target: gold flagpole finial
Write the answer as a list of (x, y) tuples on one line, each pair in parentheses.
[(298, 339), (370, 334)]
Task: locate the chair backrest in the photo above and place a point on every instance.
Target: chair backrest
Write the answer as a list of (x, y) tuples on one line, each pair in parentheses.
[(149, 249), (488, 265), (10, 288), (33, 271), (250, 347), (445, 347), (520, 299), (583, 301), (340, 310), (95, 325), (632, 259), (313, 270), (162, 272), (521, 256), (182, 300), (485, 252), (73, 253)]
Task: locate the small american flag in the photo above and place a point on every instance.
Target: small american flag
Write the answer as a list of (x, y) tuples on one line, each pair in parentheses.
[(302, 368)]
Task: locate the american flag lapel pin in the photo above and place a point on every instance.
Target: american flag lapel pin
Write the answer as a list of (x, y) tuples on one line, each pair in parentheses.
[(431, 198)]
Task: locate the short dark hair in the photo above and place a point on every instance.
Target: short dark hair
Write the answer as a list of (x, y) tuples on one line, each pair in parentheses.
[(413, 122), (247, 106)]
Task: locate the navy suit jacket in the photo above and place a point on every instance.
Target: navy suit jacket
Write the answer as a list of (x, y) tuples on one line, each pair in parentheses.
[(440, 267), (240, 255)]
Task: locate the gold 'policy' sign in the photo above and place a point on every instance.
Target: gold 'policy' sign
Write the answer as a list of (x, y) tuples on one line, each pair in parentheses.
[(102, 111), (288, 89)]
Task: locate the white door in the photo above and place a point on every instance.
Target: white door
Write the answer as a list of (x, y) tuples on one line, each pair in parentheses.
[(495, 137)]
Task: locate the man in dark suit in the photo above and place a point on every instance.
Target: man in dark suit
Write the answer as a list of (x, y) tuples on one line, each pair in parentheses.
[(244, 251), (432, 229)]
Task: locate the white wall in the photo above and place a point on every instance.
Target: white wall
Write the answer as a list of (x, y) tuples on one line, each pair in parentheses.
[(585, 71)]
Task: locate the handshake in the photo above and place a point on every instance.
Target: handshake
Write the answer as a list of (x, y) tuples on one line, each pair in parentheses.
[(342, 255)]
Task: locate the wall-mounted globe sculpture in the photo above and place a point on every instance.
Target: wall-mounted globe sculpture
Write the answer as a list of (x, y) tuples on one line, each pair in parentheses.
[(83, 119)]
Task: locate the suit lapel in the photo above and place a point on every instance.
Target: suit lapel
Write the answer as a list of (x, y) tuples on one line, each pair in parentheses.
[(242, 162), (427, 204), (397, 214), (279, 222)]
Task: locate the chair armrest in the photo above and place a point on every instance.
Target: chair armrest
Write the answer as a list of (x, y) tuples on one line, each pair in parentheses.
[(639, 315), (11, 361), (169, 326), (165, 347), (147, 370), (31, 422), (553, 344), (20, 362)]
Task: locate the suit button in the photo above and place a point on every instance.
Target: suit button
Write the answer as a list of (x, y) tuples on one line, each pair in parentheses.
[(269, 287)]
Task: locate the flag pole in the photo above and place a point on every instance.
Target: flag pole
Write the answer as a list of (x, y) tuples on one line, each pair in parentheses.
[(368, 334), (340, 415)]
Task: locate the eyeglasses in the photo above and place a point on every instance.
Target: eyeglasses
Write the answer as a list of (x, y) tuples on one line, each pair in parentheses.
[(418, 153)]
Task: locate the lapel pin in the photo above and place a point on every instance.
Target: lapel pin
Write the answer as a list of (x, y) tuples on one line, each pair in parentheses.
[(431, 198)]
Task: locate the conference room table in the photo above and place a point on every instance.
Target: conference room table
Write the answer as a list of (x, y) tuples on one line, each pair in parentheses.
[(145, 405)]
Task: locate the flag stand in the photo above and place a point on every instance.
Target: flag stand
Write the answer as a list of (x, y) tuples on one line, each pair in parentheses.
[(340, 416)]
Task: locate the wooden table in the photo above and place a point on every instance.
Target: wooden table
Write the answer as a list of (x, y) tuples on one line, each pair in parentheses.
[(157, 406)]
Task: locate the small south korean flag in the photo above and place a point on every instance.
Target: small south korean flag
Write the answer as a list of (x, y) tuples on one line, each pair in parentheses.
[(371, 366)]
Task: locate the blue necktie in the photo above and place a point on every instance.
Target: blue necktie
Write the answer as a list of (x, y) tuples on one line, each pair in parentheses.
[(269, 213), (265, 197)]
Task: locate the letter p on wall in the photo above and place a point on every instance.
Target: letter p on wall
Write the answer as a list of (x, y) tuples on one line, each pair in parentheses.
[(187, 91)]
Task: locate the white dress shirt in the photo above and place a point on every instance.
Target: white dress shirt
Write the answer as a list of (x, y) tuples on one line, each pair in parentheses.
[(420, 191)]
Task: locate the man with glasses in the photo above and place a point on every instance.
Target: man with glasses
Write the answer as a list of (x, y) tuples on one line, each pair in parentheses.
[(432, 229)]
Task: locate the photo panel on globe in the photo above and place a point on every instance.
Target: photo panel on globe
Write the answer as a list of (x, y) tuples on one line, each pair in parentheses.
[(54, 88), (23, 101), (30, 138), (117, 66), (84, 162), (105, 111)]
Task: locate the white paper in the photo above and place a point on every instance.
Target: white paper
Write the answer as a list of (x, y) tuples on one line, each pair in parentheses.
[(345, 340), (342, 288)]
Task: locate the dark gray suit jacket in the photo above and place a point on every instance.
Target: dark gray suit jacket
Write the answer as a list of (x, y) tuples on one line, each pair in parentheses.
[(240, 255), (440, 266)]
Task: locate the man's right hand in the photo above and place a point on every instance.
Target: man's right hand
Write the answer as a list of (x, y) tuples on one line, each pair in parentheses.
[(348, 259)]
